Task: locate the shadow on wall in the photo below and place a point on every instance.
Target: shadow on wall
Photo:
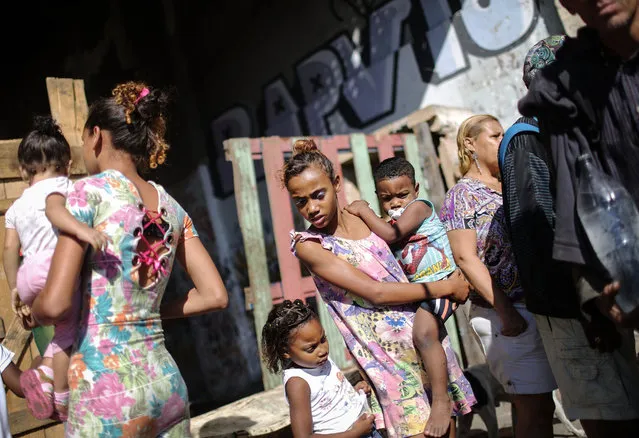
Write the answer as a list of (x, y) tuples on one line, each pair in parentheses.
[(217, 352)]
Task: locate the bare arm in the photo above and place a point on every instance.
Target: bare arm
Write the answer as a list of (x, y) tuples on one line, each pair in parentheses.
[(343, 275), (56, 299), (464, 246), (11, 256), (11, 262), (60, 217), (64, 221), (298, 394), (408, 222), (209, 292), (11, 378)]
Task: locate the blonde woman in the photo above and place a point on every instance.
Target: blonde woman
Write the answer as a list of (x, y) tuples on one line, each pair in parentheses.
[(474, 218)]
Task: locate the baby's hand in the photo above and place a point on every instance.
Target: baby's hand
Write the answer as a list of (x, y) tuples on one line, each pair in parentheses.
[(96, 239), (18, 307), (28, 322), (357, 207), (363, 385), (16, 303), (364, 424)]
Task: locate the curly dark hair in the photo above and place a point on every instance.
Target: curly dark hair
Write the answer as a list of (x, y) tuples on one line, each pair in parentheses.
[(44, 147), (394, 168), (282, 321), (135, 116), (305, 154)]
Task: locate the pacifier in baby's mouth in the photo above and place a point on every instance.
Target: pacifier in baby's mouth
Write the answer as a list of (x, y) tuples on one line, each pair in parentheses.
[(395, 214)]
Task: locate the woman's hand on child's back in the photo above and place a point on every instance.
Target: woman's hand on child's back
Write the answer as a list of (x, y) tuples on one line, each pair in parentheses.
[(363, 425), (459, 286), (96, 239)]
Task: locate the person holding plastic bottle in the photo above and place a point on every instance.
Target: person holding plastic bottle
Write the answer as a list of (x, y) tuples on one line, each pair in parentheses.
[(589, 125)]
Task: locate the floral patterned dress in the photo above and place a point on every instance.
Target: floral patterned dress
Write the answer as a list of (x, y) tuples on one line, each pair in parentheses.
[(471, 205), (381, 338), (122, 380)]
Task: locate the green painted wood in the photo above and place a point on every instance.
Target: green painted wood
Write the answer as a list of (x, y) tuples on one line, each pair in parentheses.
[(411, 152), (250, 218), (453, 334), (42, 337), (364, 171), (432, 172), (335, 339)]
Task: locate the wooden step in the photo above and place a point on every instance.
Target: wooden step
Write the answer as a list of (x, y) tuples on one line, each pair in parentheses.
[(261, 414)]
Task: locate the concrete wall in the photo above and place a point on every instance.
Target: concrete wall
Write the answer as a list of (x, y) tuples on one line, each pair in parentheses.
[(323, 67)]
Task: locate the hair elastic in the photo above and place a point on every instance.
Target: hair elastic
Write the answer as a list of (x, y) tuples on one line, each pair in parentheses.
[(145, 92)]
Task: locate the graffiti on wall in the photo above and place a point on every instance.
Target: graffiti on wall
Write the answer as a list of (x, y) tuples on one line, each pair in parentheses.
[(346, 85)]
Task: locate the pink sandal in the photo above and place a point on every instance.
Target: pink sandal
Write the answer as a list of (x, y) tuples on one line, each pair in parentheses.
[(39, 402)]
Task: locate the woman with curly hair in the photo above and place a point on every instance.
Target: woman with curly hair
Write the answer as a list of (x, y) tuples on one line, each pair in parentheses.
[(122, 380)]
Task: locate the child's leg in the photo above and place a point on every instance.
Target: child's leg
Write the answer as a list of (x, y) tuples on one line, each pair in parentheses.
[(32, 275), (36, 383), (61, 383), (426, 340), (63, 339), (60, 370)]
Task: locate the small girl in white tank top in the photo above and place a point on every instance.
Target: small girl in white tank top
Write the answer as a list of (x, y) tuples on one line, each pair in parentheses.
[(322, 401)]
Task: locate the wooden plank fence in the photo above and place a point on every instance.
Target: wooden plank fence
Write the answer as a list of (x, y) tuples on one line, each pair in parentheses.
[(69, 107), (242, 152)]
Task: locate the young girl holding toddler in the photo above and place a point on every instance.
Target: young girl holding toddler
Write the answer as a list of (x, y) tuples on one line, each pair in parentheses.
[(368, 296), (33, 223), (321, 400)]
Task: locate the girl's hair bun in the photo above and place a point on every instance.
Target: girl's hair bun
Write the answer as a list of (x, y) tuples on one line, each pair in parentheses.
[(304, 145), (45, 125)]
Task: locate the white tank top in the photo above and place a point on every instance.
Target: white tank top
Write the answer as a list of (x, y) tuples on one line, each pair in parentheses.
[(335, 405)]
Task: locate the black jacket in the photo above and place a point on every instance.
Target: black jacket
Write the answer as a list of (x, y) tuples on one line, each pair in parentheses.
[(587, 101), (528, 187)]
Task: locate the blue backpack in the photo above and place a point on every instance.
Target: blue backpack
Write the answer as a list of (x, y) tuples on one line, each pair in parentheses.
[(515, 129)]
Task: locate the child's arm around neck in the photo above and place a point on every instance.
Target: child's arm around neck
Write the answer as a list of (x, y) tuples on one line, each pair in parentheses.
[(414, 215), (298, 394)]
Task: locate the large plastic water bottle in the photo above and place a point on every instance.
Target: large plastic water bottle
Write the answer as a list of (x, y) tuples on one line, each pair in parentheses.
[(611, 221)]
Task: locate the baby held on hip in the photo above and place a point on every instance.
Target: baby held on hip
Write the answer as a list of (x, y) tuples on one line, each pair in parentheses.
[(33, 223), (46, 388)]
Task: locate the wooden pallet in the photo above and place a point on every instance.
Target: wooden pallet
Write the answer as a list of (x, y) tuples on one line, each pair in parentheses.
[(272, 151), (69, 107)]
